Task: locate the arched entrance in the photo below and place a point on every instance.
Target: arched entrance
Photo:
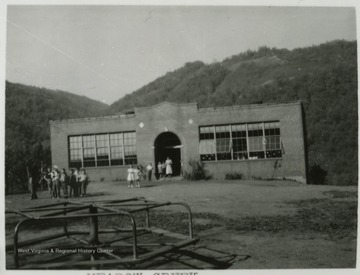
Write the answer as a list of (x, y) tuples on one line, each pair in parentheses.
[(168, 144)]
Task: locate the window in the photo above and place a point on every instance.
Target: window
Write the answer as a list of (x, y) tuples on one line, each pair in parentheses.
[(88, 151), (116, 149), (207, 143), (256, 138), (223, 144), (273, 141), (240, 141), (98, 150), (238, 133), (102, 150), (130, 148), (75, 151)]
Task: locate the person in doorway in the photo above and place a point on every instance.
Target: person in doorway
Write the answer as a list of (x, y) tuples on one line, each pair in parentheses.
[(131, 176), (159, 167), (169, 171), (163, 167), (149, 170), (181, 168)]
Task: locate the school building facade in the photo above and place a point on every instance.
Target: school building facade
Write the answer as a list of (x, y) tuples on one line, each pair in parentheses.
[(258, 141)]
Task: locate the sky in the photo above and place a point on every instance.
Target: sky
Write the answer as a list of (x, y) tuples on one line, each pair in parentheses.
[(105, 52)]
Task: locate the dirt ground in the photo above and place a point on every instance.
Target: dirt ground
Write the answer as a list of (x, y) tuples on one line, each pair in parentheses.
[(245, 224)]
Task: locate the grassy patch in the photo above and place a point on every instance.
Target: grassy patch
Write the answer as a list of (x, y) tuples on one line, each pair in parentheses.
[(341, 194), (336, 219)]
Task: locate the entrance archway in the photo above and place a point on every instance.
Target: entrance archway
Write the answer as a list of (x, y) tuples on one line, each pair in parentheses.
[(168, 144)]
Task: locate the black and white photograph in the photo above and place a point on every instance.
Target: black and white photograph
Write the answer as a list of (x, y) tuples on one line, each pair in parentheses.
[(173, 137)]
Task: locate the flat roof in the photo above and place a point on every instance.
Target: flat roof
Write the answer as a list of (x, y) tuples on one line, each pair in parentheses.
[(206, 109)]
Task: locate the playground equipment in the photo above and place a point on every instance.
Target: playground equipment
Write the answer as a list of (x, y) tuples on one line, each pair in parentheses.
[(78, 238)]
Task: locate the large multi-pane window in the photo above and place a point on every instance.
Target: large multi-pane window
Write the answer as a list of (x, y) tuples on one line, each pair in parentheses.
[(223, 142), (116, 149), (207, 143), (272, 138), (75, 151), (102, 149), (256, 138), (240, 141), (130, 148)]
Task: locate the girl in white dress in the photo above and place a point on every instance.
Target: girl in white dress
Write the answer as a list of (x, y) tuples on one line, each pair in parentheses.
[(168, 163), (131, 176), (137, 174)]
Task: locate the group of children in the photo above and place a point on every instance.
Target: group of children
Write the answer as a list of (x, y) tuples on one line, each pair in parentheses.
[(165, 168), (59, 183), (134, 175)]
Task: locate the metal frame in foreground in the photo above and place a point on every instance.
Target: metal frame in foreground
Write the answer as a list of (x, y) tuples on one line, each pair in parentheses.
[(65, 212)]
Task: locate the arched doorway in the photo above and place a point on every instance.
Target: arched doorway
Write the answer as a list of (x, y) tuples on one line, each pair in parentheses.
[(168, 144)]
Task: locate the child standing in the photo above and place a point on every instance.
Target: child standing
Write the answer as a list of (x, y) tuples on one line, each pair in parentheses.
[(131, 176), (77, 189), (149, 169), (137, 173), (32, 187), (55, 177), (83, 179), (72, 181), (49, 182), (159, 170), (63, 181)]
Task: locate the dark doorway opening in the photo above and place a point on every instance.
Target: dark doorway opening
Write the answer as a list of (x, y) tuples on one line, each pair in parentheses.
[(166, 145)]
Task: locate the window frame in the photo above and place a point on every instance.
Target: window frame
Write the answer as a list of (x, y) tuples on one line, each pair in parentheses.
[(77, 143), (261, 140)]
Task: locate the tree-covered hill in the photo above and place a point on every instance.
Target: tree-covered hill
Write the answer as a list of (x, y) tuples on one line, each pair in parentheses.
[(323, 77), (28, 111)]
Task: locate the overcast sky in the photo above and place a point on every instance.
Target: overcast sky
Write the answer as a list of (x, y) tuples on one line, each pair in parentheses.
[(105, 52)]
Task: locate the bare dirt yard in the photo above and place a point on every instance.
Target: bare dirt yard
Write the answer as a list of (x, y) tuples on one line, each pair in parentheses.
[(242, 224)]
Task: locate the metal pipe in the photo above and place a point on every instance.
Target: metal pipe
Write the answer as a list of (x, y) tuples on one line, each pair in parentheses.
[(16, 239), (48, 205), (22, 214), (189, 215), (110, 201), (150, 207), (48, 209), (65, 223), (94, 226), (47, 217), (39, 240), (121, 204), (61, 212), (133, 223), (147, 218)]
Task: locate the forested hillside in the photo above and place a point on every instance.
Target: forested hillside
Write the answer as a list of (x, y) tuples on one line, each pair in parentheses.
[(323, 77), (28, 111)]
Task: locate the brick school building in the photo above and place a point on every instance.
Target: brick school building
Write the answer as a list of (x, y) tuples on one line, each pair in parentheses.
[(258, 141)]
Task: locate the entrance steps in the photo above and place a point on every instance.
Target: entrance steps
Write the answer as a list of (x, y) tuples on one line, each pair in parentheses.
[(175, 178)]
